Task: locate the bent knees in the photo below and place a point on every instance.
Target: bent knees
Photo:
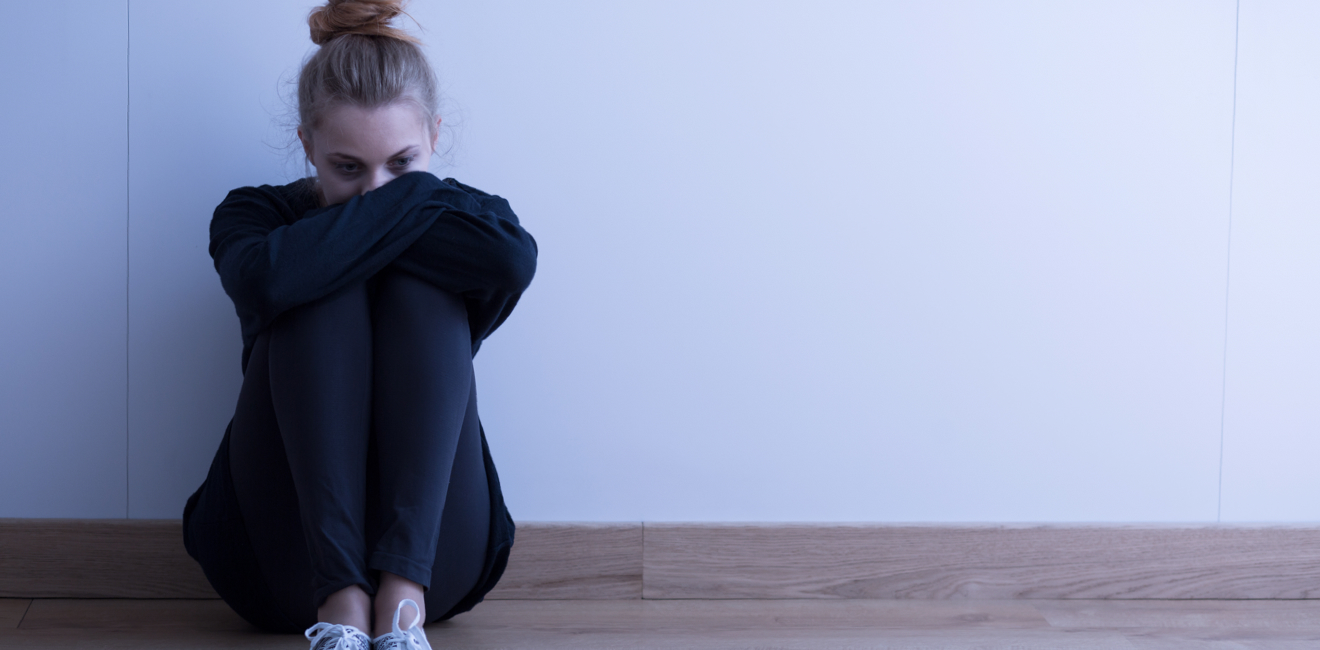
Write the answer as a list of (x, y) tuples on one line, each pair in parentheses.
[(412, 302)]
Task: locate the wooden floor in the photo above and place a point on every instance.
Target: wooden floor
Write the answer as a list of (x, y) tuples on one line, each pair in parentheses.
[(52, 624)]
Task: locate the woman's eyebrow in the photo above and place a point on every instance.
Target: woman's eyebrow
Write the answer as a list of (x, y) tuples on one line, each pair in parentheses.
[(356, 159)]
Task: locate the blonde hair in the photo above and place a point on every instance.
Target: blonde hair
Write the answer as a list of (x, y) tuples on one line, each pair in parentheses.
[(363, 61)]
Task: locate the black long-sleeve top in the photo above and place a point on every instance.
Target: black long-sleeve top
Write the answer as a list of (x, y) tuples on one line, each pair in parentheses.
[(275, 249)]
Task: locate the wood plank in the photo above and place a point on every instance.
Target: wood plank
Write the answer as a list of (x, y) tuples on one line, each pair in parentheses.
[(120, 614), (583, 561), (577, 639), (588, 624), (12, 610), (457, 637), (1182, 614), (1004, 561), (54, 624), (73, 639), (135, 558), (1223, 638), (145, 559), (743, 615), (1170, 624), (760, 624), (97, 558), (807, 624)]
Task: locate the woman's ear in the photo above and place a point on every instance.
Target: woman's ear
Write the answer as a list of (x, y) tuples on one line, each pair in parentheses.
[(435, 133), (306, 143)]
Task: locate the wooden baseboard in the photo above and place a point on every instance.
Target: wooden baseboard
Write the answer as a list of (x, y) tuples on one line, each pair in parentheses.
[(52, 558), (985, 561), (137, 558), (97, 558)]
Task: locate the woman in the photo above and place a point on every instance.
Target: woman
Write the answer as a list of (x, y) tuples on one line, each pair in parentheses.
[(354, 484)]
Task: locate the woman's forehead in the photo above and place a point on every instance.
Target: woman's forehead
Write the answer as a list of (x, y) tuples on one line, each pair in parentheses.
[(382, 130)]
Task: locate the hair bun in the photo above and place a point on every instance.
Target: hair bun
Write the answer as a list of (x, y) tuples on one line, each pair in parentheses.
[(366, 17)]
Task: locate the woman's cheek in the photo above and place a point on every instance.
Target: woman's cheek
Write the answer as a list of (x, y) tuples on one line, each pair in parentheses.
[(336, 191)]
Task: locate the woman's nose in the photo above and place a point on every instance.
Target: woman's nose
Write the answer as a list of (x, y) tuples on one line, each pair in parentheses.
[(378, 178)]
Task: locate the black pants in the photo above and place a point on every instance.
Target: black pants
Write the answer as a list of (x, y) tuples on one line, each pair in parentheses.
[(355, 449)]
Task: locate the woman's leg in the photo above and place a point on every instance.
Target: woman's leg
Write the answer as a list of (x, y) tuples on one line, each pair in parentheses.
[(465, 525), (303, 420), (433, 510), (415, 476)]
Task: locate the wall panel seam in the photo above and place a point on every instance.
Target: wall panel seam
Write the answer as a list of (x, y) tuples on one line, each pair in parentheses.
[(1228, 265), (128, 253)]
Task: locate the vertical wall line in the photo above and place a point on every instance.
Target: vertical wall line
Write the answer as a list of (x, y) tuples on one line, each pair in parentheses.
[(1228, 261), (128, 246)]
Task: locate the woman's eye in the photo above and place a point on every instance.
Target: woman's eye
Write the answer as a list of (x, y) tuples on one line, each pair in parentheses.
[(347, 168), (403, 162)]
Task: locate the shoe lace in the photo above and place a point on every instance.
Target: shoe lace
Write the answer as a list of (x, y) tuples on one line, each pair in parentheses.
[(413, 638), (347, 636)]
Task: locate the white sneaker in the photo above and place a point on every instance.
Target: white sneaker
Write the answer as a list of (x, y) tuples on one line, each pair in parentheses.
[(412, 638), (325, 636)]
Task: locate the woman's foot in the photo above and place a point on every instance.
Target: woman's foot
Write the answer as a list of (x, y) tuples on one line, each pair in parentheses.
[(390, 594), (349, 606), (413, 638), (333, 636), (344, 618)]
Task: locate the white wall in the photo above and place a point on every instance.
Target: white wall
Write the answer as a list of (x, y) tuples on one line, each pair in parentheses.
[(63, 259), (843, 261), (1272, 413)]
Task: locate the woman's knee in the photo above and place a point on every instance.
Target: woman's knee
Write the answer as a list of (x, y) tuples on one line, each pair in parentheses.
[(323, 345), (338, 321), (347, 306), (402, 295)]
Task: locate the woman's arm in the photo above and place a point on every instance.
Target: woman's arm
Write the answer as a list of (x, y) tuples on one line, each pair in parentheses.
[(479, 251), (477, 247), (454, 236), (269, 263)]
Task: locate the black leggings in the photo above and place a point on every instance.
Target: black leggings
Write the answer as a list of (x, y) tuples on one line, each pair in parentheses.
[(355, 447)]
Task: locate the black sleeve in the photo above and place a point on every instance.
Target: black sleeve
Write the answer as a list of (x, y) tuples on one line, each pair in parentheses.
[(479, 251), (268, 263), (453, 236), (476, 248)]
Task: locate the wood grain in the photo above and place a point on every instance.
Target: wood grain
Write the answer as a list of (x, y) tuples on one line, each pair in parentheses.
[(574, 638), (744, 615), (1223, 639), (582, 561), (128, 558), (1181, 614), (97, 558), (47, 558), (588, 624), (145, 640), (120, 614), (806, 624), (11, 611), (943, 561)]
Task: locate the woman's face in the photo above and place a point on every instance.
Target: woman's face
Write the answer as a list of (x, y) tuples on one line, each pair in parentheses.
[(356, 150)]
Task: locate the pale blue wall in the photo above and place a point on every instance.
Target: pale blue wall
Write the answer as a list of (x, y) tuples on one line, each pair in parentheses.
[(63, 251), (842, 261)]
